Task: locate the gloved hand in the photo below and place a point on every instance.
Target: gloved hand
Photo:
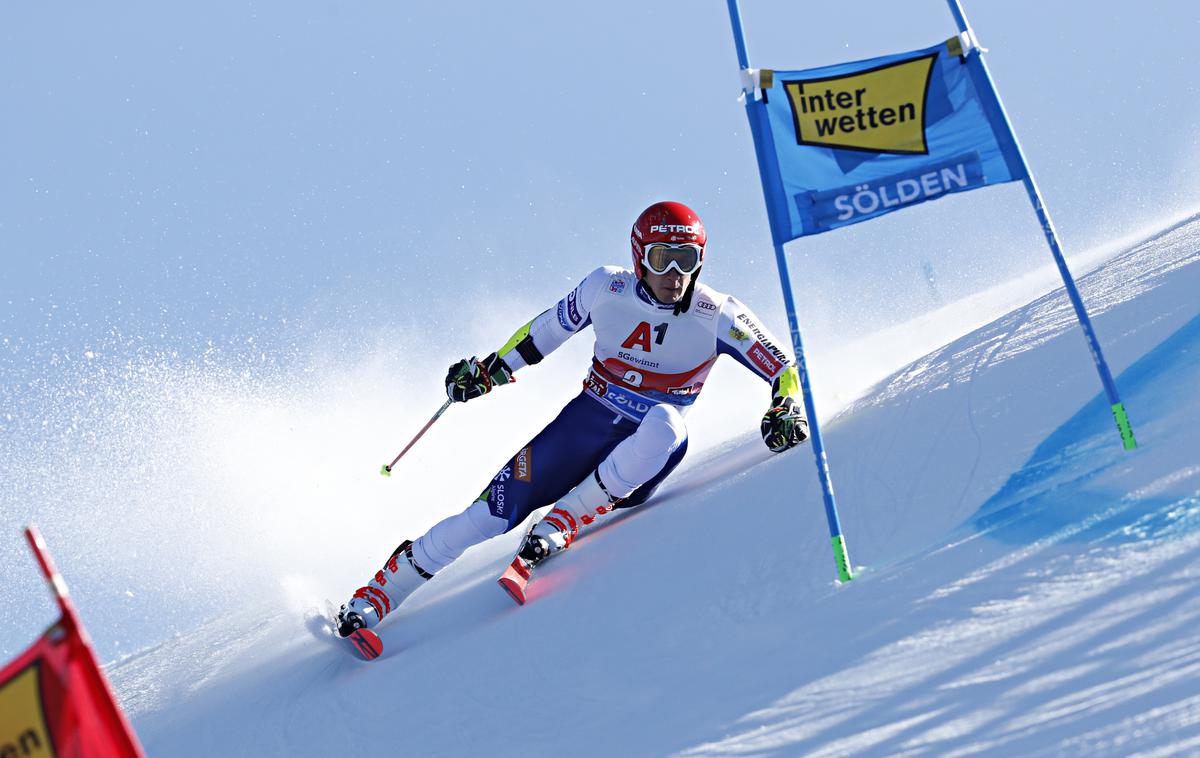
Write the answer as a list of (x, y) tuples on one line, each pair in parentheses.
[(470, 378), (784, 426)]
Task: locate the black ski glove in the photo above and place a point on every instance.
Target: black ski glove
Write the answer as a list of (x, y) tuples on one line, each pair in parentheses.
[(784, 426), (470, 378)]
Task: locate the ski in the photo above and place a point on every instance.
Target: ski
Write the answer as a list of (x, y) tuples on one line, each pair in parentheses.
[(515, 579), (364, 643), (361, 643)]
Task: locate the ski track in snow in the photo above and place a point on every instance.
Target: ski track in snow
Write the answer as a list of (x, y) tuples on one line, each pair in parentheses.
[(1026, 587)]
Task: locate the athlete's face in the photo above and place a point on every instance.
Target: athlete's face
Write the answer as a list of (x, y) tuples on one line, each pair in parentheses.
[(669, 287)]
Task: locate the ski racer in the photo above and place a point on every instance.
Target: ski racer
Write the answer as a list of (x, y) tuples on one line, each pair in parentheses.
[(657, 334)]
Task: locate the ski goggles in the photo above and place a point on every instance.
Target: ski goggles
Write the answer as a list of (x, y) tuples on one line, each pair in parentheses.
[(661, 257)]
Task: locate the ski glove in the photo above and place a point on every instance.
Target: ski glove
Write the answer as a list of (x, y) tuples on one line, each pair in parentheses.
[(470, 378), (784, 426)]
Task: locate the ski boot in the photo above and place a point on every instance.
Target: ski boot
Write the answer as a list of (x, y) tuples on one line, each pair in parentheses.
[(555, 532), (348, 621), (398, 578), (559, 528), (552, 534)]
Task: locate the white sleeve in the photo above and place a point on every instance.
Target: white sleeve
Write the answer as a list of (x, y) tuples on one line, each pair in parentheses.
[(554, 326), (740, 335)]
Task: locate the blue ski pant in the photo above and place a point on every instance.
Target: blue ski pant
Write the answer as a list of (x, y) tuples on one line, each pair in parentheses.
[(561, 455)]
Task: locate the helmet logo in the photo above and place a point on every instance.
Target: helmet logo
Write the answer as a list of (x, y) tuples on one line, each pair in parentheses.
[(672, 229)]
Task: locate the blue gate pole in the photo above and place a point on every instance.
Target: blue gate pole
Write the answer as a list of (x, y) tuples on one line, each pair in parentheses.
[(760, 131), (1043, 214)]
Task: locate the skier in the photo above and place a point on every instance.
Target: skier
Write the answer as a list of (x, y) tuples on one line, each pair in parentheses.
[(658, 332)]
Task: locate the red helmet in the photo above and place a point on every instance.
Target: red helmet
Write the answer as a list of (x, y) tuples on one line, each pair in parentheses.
[(665, 222)]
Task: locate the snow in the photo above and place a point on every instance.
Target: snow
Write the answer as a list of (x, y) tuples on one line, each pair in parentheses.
[(1025, 587)]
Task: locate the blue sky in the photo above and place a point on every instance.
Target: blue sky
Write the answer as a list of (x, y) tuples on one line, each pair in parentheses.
[(271, 169)]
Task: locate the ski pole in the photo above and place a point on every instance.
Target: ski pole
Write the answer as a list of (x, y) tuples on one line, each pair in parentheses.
[(386, 470)]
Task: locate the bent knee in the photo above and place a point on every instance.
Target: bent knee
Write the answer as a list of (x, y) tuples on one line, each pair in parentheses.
[(662, 429)]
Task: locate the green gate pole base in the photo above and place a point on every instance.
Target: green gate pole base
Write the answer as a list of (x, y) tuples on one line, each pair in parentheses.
[(1123, 425), (842, 558)]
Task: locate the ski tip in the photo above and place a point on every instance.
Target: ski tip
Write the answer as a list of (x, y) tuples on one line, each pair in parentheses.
[(365, 643), (515, 579), (514, 587)]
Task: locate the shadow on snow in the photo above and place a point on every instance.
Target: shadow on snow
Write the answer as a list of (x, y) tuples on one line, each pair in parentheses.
[(1070, 487)]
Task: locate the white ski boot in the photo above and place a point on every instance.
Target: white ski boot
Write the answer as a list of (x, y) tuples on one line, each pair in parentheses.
[(398, 578), (558, 528)]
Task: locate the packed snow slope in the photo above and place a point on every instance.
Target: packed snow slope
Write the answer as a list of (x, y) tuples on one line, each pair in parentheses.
[(1026, 586)]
